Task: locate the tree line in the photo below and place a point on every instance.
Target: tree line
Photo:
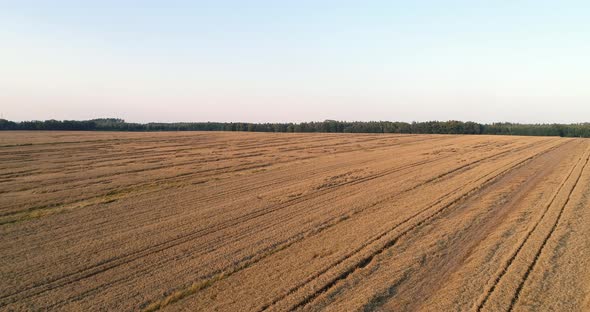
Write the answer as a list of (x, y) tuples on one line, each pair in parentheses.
[(329, 126)]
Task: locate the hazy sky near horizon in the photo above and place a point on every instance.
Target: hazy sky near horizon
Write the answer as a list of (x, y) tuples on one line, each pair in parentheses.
[(278, 61)]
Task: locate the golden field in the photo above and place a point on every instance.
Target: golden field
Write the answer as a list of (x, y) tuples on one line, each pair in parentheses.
[(227, 221)]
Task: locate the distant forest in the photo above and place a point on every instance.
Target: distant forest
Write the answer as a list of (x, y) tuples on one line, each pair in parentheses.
[(331, 126)]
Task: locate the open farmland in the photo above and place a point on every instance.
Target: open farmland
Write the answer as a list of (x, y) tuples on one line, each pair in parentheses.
[(253, 222)]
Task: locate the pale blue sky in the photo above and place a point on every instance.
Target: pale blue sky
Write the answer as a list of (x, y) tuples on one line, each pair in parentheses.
[(257, 61)]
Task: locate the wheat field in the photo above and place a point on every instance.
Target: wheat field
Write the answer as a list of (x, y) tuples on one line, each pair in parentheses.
[(219, 221)]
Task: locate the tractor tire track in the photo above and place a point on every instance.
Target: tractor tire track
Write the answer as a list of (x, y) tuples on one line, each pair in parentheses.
[(500, 275), (545, 240), (364, 261)]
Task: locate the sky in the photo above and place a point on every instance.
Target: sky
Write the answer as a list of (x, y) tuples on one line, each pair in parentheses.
[(292, 61)]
